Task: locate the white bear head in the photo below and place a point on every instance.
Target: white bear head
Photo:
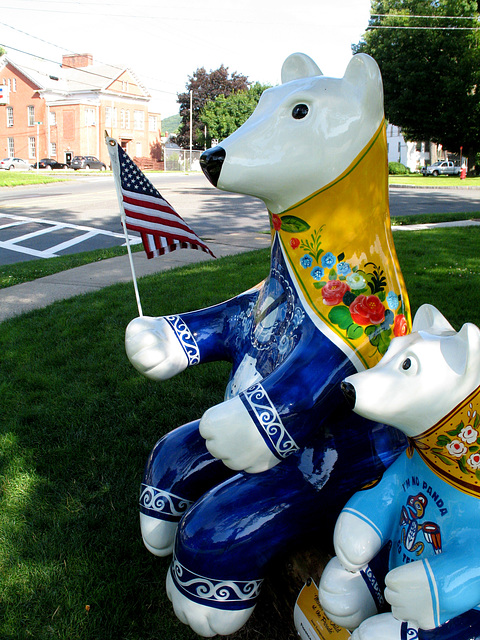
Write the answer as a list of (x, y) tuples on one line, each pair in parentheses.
[(303, 134), (422, 376)]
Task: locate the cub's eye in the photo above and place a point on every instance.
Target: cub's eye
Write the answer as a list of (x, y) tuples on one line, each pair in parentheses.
[(409, 366), (299, 111)]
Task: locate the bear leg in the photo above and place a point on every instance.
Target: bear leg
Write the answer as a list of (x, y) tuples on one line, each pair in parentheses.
[(178, 471), (225, 541)]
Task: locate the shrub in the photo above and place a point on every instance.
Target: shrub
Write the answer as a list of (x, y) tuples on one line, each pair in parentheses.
[(397, 168)]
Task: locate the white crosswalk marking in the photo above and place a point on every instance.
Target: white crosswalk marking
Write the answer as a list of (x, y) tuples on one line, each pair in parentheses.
[(81, 234)]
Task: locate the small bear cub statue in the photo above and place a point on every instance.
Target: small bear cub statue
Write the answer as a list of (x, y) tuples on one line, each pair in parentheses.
[(411, 541)]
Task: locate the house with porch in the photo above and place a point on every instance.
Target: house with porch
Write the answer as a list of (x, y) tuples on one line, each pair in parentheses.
[(60, 111)]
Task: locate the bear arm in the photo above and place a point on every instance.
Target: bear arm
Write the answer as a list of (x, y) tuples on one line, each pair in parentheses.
[(355, 540), (303, 389), (452, 582), (219, 329), (368, 520)]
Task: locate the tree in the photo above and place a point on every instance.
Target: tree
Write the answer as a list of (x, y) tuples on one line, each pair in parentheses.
[(431, 76), (204, 86), (224, 115)]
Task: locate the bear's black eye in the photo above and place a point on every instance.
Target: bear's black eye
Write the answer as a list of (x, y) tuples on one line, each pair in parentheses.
[(406, 364), (299, 111)]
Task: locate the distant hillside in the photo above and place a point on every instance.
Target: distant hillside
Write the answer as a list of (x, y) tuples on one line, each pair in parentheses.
[(171, 124)]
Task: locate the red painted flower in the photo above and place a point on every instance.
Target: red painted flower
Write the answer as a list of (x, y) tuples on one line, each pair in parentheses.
[(400, 326), (334, 291), (294, 243), (277, 222), (367, 310)]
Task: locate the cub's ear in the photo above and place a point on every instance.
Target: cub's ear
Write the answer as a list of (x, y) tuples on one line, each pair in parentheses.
[(462, 352), (299, 65), (428, 318)]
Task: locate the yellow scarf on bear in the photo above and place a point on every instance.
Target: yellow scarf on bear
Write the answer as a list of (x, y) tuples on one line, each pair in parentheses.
[(339, 246)]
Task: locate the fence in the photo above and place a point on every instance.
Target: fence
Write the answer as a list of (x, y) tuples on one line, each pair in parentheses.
[(182, 159)]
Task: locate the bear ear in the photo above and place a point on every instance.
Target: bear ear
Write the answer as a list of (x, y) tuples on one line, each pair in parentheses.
[(299, 65), (361, 69), (462, 352), (428, 318)]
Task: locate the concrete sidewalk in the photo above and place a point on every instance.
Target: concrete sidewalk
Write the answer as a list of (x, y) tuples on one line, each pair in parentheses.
[(92, 277), (96, 275)]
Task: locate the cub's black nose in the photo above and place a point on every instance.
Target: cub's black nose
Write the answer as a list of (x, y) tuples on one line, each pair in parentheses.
[(211, 162), (349, 393)]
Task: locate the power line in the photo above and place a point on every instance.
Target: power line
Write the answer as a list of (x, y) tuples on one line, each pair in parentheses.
[(392, 15), (384, 26)]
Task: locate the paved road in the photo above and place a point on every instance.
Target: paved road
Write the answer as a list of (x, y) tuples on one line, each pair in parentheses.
[(82, 214)]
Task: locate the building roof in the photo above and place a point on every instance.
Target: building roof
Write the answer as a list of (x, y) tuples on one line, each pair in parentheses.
[(54, 77)]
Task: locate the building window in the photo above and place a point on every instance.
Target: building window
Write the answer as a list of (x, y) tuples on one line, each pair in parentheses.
[(152, 123), (138, 149), (90, 117), (122, 119), (14, 84), (139, 120), (127, 119), (52, 118), (11, 147), (9, 116), (108, 116), (31, 147), (53, 149), (31, 116)]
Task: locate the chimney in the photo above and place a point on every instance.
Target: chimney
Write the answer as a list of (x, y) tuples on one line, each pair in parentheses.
[(77, 60)]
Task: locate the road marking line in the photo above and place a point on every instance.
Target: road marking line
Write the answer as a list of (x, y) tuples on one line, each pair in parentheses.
[(52, 252)]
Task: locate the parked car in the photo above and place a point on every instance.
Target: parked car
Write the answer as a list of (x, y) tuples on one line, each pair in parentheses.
[(87, 162), (49, 163), (442, 168), (16, 164)]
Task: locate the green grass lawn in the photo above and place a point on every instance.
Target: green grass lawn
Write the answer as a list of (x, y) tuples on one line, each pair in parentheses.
[(78, 422)]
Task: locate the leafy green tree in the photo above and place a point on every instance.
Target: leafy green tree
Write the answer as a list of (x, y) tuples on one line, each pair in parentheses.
[(224, 115), (204, 87), (431, 76)]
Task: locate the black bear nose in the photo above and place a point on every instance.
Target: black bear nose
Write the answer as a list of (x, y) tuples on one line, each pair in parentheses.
[(211, 162), (349, 393)]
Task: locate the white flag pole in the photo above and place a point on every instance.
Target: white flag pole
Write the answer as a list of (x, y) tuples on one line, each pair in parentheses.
[(113, 152)]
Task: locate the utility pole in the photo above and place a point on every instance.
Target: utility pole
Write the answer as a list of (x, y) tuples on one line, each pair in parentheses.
[(191, 126), (36, 145)]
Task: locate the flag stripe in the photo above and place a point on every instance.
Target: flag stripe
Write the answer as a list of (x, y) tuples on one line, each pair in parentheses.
[(137, 213), (166, 231)]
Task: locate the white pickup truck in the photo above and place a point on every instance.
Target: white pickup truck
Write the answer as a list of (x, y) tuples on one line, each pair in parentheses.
[(442, 168)]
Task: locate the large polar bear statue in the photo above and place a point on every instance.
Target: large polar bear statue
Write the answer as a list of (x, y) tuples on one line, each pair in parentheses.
[(423, 517), (279, 457)]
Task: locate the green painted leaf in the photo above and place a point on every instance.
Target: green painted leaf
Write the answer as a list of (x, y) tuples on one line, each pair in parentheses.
[(319, 285), (340, 316), (292, 224), (456, 431), (354, 331), (332, 275), (442, 441), (340, 257)]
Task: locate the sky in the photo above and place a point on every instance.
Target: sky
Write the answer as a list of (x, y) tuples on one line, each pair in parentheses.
[(165, 41)]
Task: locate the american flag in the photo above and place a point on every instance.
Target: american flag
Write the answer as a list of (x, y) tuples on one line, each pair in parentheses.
[(146, 211)]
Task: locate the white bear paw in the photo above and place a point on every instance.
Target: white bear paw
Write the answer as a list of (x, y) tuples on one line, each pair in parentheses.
[(345, 597), (154, 349), (205, 621), (158, 535), (381, 627), (232, 436)]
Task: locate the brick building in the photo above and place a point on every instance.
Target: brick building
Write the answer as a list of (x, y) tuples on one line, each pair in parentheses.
[(62, 111)]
